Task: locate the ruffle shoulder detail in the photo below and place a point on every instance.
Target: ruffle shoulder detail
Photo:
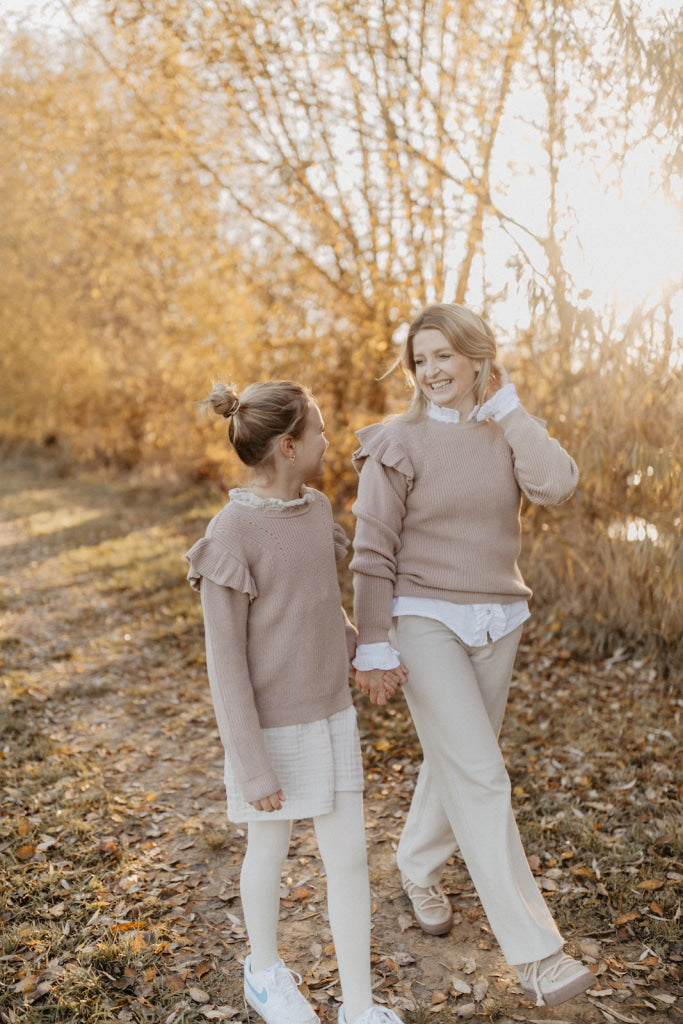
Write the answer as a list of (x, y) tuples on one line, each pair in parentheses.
[(382, 442), (341, 542), (210, 559)]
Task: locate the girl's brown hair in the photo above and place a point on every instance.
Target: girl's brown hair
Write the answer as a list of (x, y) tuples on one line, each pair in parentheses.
[(262, 414)]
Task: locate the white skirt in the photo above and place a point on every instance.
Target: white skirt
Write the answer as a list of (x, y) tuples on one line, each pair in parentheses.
[(312, 762)]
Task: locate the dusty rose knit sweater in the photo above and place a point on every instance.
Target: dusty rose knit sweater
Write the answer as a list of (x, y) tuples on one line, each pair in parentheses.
[(438, 510), (278, 643)]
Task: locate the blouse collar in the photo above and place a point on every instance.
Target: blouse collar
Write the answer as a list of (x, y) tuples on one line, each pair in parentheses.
[(446, 415), (243, 496)]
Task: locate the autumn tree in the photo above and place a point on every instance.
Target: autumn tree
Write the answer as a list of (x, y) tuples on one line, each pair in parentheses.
[(340, 164), (121, 298)]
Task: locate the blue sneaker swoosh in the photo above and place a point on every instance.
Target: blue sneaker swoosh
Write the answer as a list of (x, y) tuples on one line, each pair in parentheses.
[(262, 996)]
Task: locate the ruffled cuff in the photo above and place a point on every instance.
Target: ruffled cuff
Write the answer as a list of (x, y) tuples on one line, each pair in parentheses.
[(500, 404), (370, 656)]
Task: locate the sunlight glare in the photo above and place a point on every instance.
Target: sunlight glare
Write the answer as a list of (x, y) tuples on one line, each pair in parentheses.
[(636, 529), (628, 246)]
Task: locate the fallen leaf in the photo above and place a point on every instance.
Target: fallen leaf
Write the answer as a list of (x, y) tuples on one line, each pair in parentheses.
[(41, 989), (109, 848), (591, 947), (480, 988), (300, 893), (460, 986), (199, 995), (583, 872), (126, 883), (26, 983), (663, 997), (633, 915), (466, 1010)]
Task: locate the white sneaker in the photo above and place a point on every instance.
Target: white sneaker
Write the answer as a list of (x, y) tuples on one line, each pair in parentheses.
[(554, 979), (431, 907), (274, 995), (375, 1015)]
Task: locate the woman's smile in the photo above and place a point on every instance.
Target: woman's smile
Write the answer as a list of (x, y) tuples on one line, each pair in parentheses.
[(443, 375)]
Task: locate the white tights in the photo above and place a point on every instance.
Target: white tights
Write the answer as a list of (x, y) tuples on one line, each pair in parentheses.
[(341, 841)]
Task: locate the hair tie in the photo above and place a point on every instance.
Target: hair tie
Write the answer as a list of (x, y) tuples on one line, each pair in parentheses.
[(232, 410)]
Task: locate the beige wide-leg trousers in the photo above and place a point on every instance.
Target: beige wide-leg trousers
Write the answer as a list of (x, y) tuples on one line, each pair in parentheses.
[(457, 697)]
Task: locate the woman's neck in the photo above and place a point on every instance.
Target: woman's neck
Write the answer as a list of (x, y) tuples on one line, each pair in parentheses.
[(465, 407)]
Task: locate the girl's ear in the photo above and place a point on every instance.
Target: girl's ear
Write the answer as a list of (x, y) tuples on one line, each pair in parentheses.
[(287, 446)]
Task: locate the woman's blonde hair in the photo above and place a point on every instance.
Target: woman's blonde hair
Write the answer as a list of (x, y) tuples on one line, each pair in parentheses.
[(466, 333), (262, 414)]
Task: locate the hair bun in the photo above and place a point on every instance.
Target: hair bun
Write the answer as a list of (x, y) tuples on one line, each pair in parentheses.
[(224, 400), (227, 413)]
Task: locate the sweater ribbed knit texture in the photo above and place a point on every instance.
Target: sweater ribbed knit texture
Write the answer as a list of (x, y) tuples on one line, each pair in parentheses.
[(278, 642), (438, 511)]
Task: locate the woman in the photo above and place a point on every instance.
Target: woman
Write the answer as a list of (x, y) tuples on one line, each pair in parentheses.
[(439, 594)]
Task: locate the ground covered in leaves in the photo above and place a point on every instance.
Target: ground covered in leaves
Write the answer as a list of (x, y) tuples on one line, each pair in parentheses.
[(120, 872)]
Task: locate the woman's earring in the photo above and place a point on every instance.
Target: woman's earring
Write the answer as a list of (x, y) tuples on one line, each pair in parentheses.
[(292, 458)]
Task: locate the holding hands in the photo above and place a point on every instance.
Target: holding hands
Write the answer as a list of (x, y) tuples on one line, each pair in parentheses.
[(379, 684)]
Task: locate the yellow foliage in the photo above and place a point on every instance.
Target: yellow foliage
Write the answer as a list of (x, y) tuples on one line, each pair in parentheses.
[(186, 206)]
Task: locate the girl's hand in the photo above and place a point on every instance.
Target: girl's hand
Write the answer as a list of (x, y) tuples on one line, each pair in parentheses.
[(374, 685), (269, 803)]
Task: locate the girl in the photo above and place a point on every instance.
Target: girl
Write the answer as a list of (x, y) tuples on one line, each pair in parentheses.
[(278, 647), (436, 546)]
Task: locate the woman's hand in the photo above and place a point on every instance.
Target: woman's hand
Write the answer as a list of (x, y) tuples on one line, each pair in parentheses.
[(269, 803), (380, 684), (498, 378)]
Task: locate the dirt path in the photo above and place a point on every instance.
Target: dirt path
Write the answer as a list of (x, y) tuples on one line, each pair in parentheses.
[(102, 649)]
